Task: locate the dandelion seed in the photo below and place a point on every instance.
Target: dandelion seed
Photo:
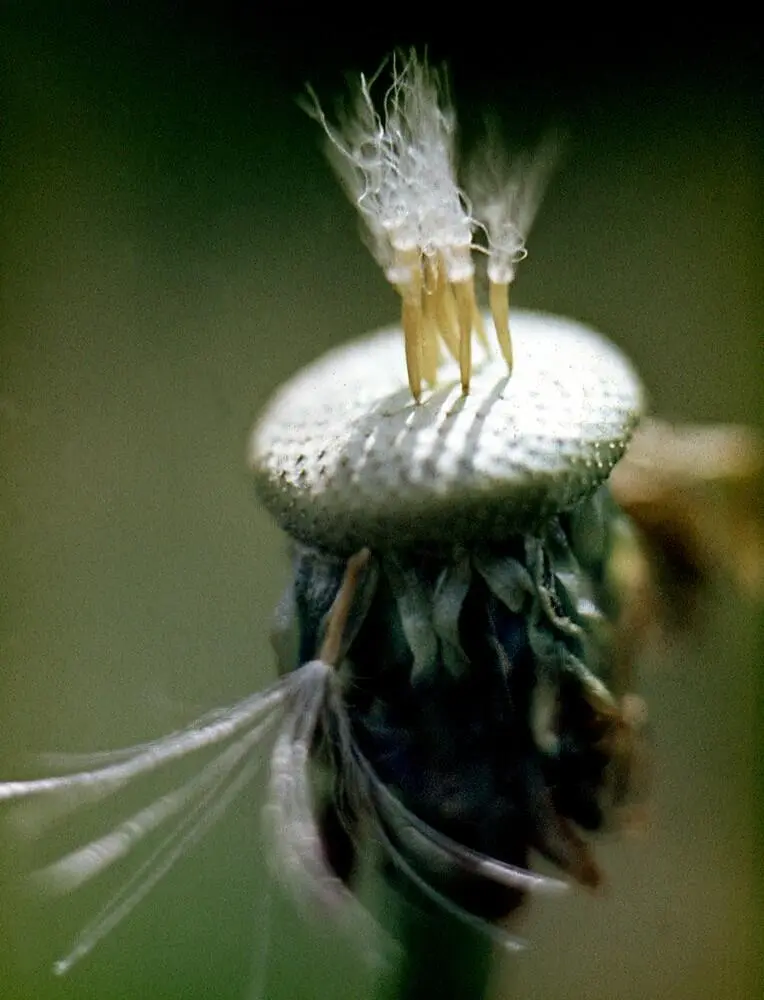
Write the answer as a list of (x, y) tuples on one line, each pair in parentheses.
[(398, 166), (505, 198)]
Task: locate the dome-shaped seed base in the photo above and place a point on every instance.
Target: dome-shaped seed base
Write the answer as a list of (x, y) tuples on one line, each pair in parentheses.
[(343, 457)]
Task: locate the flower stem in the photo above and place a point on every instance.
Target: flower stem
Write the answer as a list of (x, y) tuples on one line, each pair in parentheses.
[(440, 957)]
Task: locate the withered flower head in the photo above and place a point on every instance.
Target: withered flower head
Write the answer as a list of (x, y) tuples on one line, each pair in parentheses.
[(695, 494), (447, 641), (476, 712)]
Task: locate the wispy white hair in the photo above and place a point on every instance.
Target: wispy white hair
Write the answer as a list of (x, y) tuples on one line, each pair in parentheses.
[(398, 167), (506, 195)]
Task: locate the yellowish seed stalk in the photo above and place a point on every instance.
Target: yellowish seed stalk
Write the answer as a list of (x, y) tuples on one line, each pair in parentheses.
[(477, 322), (464, 294), (411, 321), (498, 299), (445, 312), (430, 353), (410, 262)]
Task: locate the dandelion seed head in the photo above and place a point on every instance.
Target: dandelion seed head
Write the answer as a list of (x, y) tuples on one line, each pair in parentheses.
[(478, 715), (447, 641), (397, 162)]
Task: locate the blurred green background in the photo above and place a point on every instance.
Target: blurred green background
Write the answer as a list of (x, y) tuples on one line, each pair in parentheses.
[(173, 247)]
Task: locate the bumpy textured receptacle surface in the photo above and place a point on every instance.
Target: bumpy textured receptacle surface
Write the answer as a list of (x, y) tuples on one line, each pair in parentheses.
[(343, 457)]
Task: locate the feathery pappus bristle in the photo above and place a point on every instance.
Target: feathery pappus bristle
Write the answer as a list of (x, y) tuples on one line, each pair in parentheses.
[(397, 162), (505, 197), (398, 167)]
